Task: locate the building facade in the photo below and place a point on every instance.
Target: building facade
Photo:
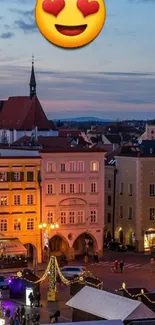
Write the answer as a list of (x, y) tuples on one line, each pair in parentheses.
[(20, 198), (73, 196), (135, 200)]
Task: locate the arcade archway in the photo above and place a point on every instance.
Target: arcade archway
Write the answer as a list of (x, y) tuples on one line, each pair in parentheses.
[(31, 251), (85, 244), (130, 237), (58, 245)]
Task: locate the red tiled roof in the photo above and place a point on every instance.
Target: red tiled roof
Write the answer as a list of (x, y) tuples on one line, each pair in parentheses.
[(24, 113), (45, 142), (69, 132)]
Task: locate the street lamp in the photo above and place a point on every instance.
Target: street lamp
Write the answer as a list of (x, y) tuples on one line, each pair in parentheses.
[(47, 227)]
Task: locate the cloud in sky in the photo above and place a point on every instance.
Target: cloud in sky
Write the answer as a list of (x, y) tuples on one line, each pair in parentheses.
[(85, 79)]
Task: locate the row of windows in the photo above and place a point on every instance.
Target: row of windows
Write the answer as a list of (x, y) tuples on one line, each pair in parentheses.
[(72, 166), (17, 200), (16, 224), (130, 212), (72, 188), (130, 189), (73, 217), (16, 176)]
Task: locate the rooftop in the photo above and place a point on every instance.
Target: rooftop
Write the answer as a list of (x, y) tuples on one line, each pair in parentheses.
[(24, 113), (18, 153)]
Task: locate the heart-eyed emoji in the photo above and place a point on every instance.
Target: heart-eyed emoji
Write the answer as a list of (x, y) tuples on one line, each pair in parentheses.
[(70, 23)]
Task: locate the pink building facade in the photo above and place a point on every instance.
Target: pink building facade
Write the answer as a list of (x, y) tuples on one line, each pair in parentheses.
[(72, 197)]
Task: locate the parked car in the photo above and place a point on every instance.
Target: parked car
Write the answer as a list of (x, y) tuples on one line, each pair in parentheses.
[(4, 283), (116, 246), (72, 272)]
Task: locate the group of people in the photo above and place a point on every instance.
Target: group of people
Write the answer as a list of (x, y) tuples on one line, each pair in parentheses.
[(35, 298), (20, 317), (118, 266)]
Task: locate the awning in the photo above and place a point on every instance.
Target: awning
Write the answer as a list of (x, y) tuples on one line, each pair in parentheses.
[(10, 246)]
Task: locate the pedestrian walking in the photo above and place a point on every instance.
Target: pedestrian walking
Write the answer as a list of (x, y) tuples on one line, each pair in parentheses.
[(16, 321), (31, 297), (17, 313), (37, 319), (121, 265), (96, 259), (116, 266), (38, 297)]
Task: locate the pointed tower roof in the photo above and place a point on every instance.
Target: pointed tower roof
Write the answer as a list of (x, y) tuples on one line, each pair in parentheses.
[(32, 83)]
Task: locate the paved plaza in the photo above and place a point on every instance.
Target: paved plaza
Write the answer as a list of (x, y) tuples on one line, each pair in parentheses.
[(137, 273)]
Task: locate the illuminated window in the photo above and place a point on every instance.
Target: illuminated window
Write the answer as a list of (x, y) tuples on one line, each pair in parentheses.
[(30, 199), (63, 218), (50, 217), (3, 177), (93, 187), (93, 216), (3, 200), (17, 200), (3, 225), (30, 224), (17, 224), (94, 166), (71, 217)]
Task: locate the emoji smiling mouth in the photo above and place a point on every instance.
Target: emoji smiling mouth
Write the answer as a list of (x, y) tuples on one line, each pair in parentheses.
[(70, 30)]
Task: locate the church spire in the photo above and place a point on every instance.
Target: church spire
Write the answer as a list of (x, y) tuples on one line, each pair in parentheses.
[(32, 83)]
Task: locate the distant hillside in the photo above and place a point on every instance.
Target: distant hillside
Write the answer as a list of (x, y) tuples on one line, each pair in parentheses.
[(85, 119)]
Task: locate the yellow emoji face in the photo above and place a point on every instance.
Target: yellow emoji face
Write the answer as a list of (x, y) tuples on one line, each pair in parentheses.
[(70, 23)]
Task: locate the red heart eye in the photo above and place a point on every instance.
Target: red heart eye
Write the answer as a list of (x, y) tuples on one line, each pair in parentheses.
[(53, 7), (88, 8)]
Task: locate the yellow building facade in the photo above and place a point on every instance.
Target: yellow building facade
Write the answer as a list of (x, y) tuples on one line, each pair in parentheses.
[(20, 198)]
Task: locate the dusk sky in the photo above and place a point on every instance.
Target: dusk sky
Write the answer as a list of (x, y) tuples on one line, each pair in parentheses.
[(113, 77)]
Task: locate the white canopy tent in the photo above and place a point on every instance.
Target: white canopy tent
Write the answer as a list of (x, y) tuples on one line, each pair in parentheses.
[(108, 306)]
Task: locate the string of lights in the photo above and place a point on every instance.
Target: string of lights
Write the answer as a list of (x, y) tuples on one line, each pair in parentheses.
[(53, 269), (141, 294)]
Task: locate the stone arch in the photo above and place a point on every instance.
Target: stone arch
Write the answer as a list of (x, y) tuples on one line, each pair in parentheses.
[(119, 234), (31, 251), (130, 237), (80, 246), (58, 245)]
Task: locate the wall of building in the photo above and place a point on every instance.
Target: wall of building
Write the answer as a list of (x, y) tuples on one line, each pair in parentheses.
[(20, 217), (126, 174), (109, 192), (82, 202)]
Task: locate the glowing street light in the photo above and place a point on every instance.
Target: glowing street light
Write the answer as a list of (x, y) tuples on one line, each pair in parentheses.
[(47, 227)]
